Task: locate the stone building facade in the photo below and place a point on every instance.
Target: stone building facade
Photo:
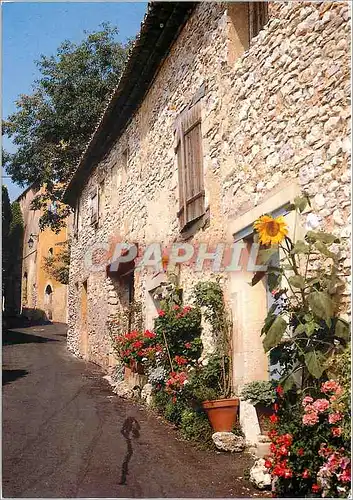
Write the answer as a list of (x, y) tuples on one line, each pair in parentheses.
[(42, 297), (270, 93)]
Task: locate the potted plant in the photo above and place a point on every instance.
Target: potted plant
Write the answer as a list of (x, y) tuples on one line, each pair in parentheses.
[(221, 408), (262, 395)]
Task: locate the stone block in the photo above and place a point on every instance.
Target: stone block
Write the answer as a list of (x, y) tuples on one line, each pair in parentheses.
[(227, 441)]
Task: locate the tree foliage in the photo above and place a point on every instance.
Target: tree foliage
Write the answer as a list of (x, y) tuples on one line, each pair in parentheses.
[(52, 126), (6, 222), (57, 266)]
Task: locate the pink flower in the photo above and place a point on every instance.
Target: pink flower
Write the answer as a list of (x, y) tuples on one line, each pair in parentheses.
[(334, 417), (161, 313), (345, 477), (330, 386), (310, 409), (188, 345), (333, 398), (306, 400), (311, 418), (336, 431), (321, 405)]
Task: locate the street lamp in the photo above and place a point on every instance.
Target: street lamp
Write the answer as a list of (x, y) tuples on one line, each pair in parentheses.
[(31, 240)]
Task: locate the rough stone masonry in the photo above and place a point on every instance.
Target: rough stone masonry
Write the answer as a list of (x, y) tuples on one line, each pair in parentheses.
[(277, 116)]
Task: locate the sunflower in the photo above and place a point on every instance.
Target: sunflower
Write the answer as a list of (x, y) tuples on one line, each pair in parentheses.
[(271, 231)]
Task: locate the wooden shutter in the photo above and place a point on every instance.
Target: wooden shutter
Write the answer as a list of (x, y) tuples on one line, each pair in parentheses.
[(94, 206), (190, 166), (258, 17)]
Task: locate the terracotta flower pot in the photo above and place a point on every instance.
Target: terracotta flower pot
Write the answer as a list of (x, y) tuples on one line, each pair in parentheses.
[(222, 413), (136, 367), (263, 414)]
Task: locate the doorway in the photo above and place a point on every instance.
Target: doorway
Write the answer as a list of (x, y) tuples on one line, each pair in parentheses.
[(48, 301), (84, 328)]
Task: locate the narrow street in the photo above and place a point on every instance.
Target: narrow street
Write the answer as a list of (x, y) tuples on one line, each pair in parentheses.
[(65, 434)]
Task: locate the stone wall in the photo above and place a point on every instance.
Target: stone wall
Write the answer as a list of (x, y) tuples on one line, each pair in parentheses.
[(278, 115)]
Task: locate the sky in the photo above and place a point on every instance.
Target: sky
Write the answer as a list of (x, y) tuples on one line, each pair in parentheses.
[(30, 29)]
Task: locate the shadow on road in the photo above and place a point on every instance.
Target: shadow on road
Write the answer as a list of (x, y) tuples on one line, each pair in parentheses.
[(9, 376), (130, 426), (11, 337)]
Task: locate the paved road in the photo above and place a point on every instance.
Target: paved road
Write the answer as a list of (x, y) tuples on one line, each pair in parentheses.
[(66, 435)]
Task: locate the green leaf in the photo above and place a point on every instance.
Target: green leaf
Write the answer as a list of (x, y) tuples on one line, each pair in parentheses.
[(287, 383), (300, 203), (321, 236), (315, 362), (297, 281), (273, 281), (299, 329), (300, 247), (275, 333), (319, 245), (321, 304), (265, 255), (311, 327), (342, 329), (257, 277)]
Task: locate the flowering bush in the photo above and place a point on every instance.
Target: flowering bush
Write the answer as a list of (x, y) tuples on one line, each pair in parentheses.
[(180, 328), (138, 346), (175, 383), (308, 450)]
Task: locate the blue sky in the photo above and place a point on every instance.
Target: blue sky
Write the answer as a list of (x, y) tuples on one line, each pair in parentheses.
[(34, 28)]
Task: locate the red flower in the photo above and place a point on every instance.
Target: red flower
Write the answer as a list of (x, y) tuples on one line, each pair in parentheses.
[(279, 390), (315, 488), (268, 464), (149, 335), (300, 452), (274, 419), (180, 360), (137, 344), (186, 309), (287, 473), (275, 407), (175, 308), (161, 313), (306, 474), (188, 345)]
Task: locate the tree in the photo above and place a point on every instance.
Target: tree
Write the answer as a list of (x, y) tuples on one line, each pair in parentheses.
[(52, 126), (6, 221), (12, 285)]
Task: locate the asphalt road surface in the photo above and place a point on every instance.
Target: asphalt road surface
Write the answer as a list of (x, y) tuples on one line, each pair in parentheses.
[(66, 435)]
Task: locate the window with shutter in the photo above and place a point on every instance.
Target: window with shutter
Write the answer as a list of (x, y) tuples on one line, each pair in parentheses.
[(190, 166), (94, 207), (258, 17)]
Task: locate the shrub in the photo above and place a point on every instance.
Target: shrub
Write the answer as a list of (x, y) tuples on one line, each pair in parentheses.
[(259, 392), (196, 427)]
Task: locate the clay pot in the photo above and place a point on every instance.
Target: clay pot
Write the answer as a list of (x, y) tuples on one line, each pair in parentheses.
[(222, 413), (263, 413), (136, 367)]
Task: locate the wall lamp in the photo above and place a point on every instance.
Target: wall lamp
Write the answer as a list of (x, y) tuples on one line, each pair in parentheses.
[(31, 240)]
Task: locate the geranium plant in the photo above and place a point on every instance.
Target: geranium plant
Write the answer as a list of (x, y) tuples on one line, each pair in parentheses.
[(137, 346), (309, 452)]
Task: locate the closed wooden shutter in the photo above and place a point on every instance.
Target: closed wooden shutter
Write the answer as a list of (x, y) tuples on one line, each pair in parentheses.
[(94, 206), (190, 166), (258, 17)]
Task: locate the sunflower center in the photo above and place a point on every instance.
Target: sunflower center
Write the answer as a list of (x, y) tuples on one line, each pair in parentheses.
[(273, 228)]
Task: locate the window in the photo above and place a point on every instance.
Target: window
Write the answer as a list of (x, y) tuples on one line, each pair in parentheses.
[(101, 201), (190, 166), (50, 252), (258, 17), (125, 158), (244, 22), (94, 206)]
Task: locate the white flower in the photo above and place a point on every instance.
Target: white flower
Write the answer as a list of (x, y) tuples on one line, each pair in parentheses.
[(185, 382), (144, 359), (312, 222)]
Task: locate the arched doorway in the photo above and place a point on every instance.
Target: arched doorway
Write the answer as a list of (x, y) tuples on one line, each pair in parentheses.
[(48, 301)]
